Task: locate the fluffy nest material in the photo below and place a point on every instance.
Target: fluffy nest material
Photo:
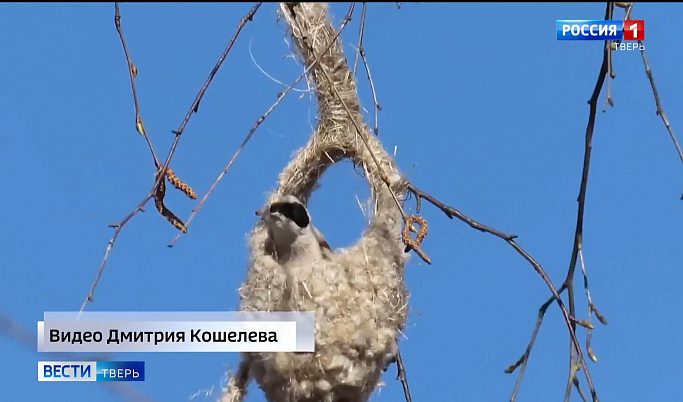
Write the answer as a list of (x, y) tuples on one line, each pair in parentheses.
[(359, 298)]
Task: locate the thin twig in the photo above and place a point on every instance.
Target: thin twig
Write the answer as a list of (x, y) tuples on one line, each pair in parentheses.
[(589, 331), (575, 353), (195, 104), (610, 69), (258, 123), (160, 177), (568, 283), (525, 357), (510, 239), (360, 51), (628, 6), (376, 105), (110, 245), (658, 102), (140, 127), (133, 72), (361, 34), (452, 212), (577, 385), (401, 375)]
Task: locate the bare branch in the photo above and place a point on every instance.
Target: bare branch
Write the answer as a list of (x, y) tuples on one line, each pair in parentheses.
[(522, 361), (510, 239), (194, 108), (577, 385), (589, 333), (361, 34), (133, 72), (360, 51), (160, 177), (401, 375), (110, 245), (568, 283), (628, 7), (452, 212), (658, 102)]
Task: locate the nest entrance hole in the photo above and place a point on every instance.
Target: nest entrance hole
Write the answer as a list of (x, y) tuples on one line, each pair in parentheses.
[(341, 206)]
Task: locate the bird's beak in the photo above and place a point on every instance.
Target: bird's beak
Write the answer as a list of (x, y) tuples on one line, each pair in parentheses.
[(263, 212)]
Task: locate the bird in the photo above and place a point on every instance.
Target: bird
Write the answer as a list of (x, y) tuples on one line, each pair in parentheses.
[(294, 239)]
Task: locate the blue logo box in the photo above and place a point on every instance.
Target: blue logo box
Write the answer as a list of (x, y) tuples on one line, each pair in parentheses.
[(590, 30), (121, 371)]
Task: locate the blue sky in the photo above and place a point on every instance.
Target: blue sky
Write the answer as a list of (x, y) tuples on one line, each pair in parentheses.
[(487, 111)]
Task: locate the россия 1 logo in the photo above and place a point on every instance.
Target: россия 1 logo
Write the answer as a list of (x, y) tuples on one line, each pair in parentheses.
[(614, 30)]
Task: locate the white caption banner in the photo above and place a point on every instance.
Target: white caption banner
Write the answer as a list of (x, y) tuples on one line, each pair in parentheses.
[(176, 332)]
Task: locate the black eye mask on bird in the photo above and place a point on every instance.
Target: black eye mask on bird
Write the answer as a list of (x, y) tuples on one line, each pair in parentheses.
[(294, 211)]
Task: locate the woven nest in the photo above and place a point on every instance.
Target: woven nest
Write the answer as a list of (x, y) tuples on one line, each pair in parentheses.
[(359, 297)]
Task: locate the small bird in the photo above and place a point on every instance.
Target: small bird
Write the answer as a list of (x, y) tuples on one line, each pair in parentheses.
[(294, 238)]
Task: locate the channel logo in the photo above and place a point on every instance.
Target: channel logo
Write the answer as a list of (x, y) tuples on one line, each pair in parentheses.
[(634, 30), (627, 30), (91, 371)]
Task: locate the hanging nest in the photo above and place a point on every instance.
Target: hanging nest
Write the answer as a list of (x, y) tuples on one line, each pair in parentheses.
[(359, 297)]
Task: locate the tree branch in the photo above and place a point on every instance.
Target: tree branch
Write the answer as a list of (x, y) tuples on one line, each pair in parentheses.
[(133, 72), (568, 283), (360, 51), (658, 103), (510, 239), (155, 191), (401, 375)]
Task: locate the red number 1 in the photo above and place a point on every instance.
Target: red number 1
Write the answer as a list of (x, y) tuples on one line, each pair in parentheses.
[(634, 30)]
